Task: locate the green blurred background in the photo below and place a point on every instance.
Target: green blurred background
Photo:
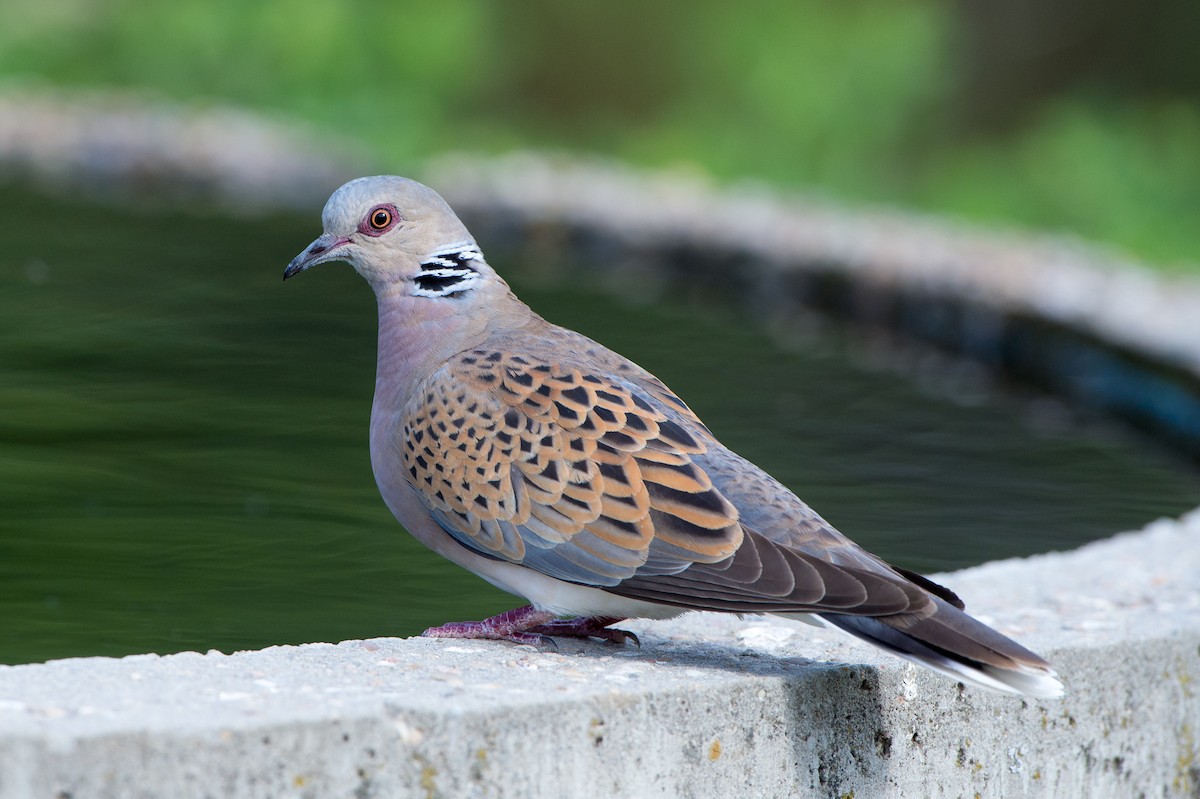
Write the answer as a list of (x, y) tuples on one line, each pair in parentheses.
[(1079, 115)]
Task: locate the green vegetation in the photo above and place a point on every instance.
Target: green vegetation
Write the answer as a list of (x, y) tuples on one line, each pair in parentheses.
[(858, 101)]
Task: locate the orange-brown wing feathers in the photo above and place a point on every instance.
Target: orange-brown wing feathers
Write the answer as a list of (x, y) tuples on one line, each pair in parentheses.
[(572, 473), (591, 479)]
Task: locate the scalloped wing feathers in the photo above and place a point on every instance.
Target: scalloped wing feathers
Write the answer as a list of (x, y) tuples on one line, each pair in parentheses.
[(580, 476), (609, 480)]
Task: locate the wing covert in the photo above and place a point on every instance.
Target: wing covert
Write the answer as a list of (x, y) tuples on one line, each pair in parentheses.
[(579, 475)]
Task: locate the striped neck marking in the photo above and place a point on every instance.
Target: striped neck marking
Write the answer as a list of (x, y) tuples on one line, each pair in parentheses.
[(448, 272)]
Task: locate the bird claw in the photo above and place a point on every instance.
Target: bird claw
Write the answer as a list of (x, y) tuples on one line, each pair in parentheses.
[(623, 636)]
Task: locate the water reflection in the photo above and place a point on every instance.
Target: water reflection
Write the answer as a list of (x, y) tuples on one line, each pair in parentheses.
[(183, 442)]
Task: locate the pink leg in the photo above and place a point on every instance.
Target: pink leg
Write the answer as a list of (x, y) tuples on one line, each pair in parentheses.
[(587, 627), (526, 625), (512, 625)]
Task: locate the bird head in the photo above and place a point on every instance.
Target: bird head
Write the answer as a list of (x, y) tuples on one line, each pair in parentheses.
[(401, 236)]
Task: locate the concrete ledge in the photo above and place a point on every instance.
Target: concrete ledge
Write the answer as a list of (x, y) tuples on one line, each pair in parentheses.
[(709, 706)]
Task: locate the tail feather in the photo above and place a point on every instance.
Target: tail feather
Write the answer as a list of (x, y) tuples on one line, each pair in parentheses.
[(952, 643)]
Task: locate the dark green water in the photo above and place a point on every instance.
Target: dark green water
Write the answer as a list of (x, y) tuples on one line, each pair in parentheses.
[(183, 442)]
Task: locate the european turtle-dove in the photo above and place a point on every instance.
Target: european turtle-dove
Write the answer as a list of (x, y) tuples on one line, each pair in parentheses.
[(561, 472)]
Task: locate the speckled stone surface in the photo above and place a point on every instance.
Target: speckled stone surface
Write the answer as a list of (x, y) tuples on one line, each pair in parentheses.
[(708, 706)]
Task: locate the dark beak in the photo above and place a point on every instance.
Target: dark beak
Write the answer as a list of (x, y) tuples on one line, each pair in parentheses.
[(326, 248)]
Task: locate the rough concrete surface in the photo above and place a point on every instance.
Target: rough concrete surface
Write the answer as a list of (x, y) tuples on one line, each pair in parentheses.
[(708, 706)]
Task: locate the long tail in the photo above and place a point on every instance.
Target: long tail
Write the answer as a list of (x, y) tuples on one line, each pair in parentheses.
[(951, 642)]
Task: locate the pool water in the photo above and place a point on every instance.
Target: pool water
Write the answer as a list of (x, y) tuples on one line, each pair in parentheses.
[(183, 440)]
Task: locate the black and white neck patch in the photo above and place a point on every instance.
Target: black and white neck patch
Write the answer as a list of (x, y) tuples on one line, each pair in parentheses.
[(448, 272)]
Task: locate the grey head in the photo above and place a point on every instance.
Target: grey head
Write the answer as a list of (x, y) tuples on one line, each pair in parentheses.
[(402, 237)]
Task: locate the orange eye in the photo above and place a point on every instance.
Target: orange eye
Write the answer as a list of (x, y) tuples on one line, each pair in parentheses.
[(381, 218)]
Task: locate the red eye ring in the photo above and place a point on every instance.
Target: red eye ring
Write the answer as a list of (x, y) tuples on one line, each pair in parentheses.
[(379, 220)]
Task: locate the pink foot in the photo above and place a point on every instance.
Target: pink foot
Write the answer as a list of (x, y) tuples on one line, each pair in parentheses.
[(588, 627), (526, 625)]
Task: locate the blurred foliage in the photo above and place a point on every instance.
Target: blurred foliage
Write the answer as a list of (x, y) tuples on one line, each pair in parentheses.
[(1012, 114)]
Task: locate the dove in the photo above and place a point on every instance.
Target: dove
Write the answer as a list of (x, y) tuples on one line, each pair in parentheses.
[(563, 473)]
